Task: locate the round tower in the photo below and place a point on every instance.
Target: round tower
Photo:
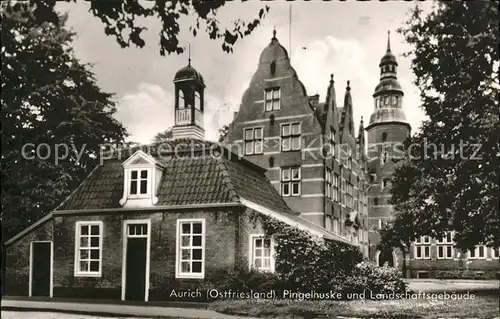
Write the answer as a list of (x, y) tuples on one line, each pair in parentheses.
[(386, 132), (189, 104)]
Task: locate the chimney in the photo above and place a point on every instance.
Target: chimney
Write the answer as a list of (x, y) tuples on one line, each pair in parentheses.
[(314, 99)]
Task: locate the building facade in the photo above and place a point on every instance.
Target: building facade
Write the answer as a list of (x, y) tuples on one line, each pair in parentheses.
[(386, 132), (314, 157), (150, 219)]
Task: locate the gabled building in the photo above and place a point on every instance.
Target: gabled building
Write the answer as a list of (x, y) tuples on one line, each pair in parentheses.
[(387, 130), (154, 218), (313, 156)]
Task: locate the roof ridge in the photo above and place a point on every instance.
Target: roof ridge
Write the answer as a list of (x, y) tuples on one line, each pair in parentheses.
[(226, 178)]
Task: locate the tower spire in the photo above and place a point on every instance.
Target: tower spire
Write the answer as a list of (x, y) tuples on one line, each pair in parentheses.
[(388, 41), (274, 33), (189, 54)]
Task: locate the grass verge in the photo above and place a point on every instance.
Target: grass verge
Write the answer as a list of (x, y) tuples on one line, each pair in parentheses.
[(480, 307)]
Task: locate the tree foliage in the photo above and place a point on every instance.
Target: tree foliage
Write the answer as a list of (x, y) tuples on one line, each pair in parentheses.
[(450, 181), (50, 103), (163, 136), (123, 20), (223, 133)]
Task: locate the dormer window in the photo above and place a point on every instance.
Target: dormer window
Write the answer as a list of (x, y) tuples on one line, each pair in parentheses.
[(139, 182), (142, 174)]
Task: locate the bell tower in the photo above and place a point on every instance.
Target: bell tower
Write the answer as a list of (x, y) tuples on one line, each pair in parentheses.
[(189, 104), (386, 132)]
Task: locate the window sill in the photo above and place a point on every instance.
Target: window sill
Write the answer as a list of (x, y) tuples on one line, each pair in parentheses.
[(146, 196), (189, 276), (94, 275)]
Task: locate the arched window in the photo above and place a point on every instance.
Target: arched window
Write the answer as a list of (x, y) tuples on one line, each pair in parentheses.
[(182, 104), (197, 101), (384, 136), (396, 100)]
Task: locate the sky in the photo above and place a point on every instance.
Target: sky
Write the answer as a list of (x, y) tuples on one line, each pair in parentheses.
[(344, 38)]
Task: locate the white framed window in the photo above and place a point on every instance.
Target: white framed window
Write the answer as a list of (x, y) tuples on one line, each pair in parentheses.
[(139, 182), (190, 255), (253, 138), (384, 157), (494, 252), (479, 252), (197, 101), (328, 183), (328, 222), (290, 137), (332, 141), (88, 248), (261, 254), (446, 239), (422, 252), (336, 187), (336, 229), (182, 103), (426, 239), (290, 181), (445, 252), (272, 99)]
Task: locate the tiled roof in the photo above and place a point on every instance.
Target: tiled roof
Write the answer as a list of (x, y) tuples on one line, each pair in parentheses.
[(187, 179)]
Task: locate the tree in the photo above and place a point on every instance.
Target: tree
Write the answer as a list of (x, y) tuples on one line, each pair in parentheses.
[(162, 136), (55, 119), (450, 181), (122, 19), (223, 133)]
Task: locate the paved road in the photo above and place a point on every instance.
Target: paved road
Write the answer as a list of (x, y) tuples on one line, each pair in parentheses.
[(109, 309)]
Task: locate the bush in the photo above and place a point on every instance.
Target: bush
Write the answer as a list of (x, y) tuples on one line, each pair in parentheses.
[(370, 277), (242, 279), (461, 274)]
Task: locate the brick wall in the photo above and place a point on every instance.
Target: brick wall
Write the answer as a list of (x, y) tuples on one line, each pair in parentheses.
[(17, 260), (226, 245)]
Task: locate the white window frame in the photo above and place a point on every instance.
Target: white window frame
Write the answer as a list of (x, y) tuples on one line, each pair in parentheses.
[(255, 140), (445, 251), (178, 252), (181, 99), (290, 137), (251, 253), (272, 99), (495, 253), (328, 222), (139, 179), (291, 181), (422, 249), (197, 101), (476, 252), (77, 272), (328, 183), (336, 225)]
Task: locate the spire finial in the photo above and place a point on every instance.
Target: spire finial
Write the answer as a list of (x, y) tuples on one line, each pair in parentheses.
[(348, 85), (189, 54), (274, 32), (388, 40), (331, 77)]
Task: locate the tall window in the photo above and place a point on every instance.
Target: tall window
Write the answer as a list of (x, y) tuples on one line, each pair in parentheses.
[(272, 99), (343, 192), (384, 157), (88, 248), (197, 101), (384, 136), (332, 141), (328, 183), (182, 103), (262, 253), (349, 158), (478, 253), (423, 247), (190, 248), (290, 181), (445, 246), (336, 225), (139, 182), (336, 187), (494, 252), (290, 137), (253, 141), (328, 222), (385, 183)]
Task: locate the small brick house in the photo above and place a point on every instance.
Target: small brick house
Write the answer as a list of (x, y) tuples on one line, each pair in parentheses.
[(154, 218)]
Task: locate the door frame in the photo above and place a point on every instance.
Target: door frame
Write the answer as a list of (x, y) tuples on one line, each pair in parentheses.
[(124, 254), (30, 282)]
